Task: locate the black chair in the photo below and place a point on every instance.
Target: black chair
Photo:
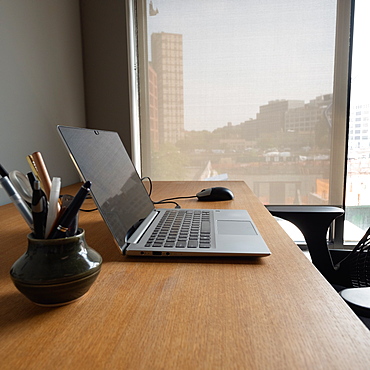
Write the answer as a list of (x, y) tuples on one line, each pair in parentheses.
[(347, 271), (313, 222), (357, 264)]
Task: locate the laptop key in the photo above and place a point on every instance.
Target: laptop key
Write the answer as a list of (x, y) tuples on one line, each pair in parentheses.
[(205, 227), (202, 245), (193, 244), (169, 245)]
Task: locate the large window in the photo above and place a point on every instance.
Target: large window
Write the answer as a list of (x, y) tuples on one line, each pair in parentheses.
[(358, 163), (247, 90)]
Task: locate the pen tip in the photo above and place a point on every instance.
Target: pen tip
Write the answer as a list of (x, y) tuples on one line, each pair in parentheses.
[(3, 172)]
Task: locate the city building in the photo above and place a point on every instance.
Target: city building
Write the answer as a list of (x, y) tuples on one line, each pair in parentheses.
[(358, 140), (153, 107), (304, 119), (271, 117), (167, 61)]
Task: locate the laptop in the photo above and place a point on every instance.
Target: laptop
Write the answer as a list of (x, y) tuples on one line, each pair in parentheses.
[(136, 225)]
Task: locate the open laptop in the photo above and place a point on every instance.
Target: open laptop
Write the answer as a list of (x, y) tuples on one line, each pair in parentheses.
[(140, 229)]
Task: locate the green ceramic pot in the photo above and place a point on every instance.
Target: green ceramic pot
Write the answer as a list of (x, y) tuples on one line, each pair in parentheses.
[(56, 271)]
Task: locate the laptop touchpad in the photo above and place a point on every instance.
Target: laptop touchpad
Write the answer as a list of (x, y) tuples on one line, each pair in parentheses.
[(235, 227)]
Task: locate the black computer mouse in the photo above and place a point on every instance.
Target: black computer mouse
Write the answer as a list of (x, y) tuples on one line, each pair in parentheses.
[(215, 194)]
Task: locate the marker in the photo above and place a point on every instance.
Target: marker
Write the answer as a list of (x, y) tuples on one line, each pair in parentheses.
[(69, 215), (17, 200), (39, 211)]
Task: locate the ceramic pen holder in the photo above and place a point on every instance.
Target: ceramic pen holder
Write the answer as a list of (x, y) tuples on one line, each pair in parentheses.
[(55, 272)]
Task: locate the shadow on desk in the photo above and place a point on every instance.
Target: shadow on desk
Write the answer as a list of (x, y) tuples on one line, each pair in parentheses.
[(15, 310), (202, 260), (104, 244)]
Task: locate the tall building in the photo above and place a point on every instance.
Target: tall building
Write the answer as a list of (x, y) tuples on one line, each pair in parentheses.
[(167, 61), (153, 108)]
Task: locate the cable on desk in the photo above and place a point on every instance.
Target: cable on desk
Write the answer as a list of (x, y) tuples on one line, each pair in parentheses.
[(150, 184), (167, 200)]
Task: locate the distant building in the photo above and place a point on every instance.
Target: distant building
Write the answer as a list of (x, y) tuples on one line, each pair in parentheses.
[(290, 116), (358, 138), (271, 117), (167, 61), (305, 119)]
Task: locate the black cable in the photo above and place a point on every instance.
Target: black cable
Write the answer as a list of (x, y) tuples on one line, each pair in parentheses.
[(150, 184), (81, 209), (89, 210), (165, 202)]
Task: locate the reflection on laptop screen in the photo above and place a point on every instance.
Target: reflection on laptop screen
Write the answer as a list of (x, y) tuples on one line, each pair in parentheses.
[(102, 159)]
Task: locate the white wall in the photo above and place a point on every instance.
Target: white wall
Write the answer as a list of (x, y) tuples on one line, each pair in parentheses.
[(41, 83)]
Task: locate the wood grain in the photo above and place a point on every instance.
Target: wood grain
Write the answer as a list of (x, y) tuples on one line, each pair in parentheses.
[(276, 312)]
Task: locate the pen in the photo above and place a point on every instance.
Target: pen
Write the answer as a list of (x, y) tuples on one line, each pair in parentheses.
[(31, 178), (71, 212), (3, 172), (33, 167), (54, 206), (73, 227), (17, 200), (39, 211), (42, 172)]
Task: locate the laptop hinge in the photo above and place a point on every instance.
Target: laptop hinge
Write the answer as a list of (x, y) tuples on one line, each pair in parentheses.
[(139, 232)]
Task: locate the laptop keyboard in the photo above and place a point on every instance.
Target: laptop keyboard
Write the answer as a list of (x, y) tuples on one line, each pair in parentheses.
[(182, 229)]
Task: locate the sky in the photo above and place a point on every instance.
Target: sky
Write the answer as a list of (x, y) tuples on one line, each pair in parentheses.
[(241, 54)]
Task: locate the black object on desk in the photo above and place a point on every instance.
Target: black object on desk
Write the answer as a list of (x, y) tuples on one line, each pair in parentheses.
[(39, 211), (70, 214), (314, 221), (352, 273)]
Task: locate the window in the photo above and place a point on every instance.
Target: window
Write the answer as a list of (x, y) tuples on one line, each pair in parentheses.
[(357, 200), (246, 90)]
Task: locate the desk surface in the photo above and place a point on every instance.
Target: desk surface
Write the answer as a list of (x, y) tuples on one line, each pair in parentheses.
[(274, 312)]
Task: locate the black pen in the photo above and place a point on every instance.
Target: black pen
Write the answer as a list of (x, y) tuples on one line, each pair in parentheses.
[(73, 227), (71, 212), (31, 178), (39, 211), (3, 172)]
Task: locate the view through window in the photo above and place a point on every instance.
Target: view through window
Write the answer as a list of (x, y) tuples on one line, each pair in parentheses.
[(358, 163), (242, 90)]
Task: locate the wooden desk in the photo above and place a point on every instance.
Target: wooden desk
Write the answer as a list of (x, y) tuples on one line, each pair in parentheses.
[(276, 312)]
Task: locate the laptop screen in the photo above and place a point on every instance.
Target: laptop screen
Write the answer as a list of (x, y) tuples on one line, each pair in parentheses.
[(116, 187)]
